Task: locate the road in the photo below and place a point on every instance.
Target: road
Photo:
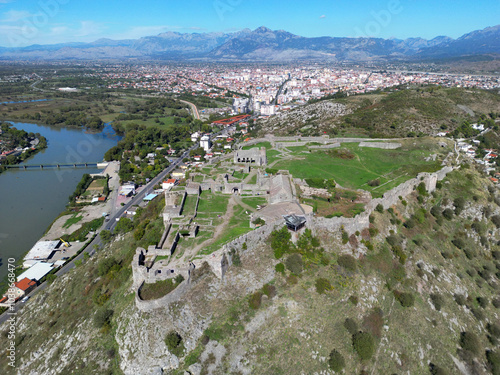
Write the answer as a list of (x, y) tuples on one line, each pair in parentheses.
[(97, 243), (195, 110)]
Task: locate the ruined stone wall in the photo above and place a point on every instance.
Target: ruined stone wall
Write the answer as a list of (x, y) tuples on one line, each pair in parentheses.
[(382, 145)]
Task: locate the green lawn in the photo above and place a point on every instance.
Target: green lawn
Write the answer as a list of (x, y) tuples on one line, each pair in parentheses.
[(213, 203), (272, 155), (267, 145), (72, 220), (254, 201), (391, 167), (189, 205)]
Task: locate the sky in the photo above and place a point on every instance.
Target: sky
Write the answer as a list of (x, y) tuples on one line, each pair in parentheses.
[(27, 22)]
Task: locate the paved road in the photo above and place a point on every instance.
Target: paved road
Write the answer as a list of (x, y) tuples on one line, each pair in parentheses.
[(195, 110), (108, 225)]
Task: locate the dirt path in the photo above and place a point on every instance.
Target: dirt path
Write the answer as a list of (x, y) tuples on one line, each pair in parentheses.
[(217, 232)]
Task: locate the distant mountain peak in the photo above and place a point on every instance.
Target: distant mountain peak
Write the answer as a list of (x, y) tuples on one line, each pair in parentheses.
[(264, 44)]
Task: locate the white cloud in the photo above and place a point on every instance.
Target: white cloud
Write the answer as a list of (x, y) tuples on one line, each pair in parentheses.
[(322, 16), (15, 15)]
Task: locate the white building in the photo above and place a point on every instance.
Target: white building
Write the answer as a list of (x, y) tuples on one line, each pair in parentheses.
[(267, 110), (195, 136), (205, 142)]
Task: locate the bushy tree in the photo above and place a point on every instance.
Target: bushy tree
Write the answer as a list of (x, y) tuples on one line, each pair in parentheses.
[(336, 361), (364, 344), (348, 262), (294, 264)]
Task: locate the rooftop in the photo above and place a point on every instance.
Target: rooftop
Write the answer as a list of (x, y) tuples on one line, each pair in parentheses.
[(36, 272), (42, 250)]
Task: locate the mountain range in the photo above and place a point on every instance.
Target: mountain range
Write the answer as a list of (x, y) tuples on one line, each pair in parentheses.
[(263, 44)]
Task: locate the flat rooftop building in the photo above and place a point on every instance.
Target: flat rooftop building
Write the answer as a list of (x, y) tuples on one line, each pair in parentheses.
[(36, 272), (43, 250)]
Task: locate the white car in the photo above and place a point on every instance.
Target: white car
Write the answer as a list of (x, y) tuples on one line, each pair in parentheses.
[(25, 299)]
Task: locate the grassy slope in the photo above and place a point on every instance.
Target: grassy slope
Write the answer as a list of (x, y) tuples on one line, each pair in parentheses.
[(395, 114), (295, 331)]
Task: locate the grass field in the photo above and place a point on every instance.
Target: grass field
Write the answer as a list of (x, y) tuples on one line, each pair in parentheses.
[(238, 225), (72, 220), (189, 205), (267, 145), (272, 155), (254, 201), (391, 167), (212, 203)]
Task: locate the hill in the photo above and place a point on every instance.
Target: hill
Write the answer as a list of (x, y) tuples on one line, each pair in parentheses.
[(263, 44), (394, 113), (409, 286)]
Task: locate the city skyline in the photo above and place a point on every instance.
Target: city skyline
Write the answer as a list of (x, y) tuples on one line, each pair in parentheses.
[(61, 21)]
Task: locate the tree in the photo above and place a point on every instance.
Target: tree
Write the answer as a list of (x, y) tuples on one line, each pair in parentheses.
[(106, 235), (364, 344), (173, 341), (103, 317), (336, 361)]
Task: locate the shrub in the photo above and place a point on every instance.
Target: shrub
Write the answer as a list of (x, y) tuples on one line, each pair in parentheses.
[(482, 301), (404, 298), (102, 318), (379, 208), (470, 342), (421, 189), (173, 341), (348, 262), (345, 237), (493, 361), (336, 361), (458, 242), (269, 290), (478, 314), (105, 266), (373, 232), (496, 220), (410, 223), (460, 299), (373, 183), (280, 267), (437, 301), (496, 302), (292, 280), (435, 211), (294, 264), (354, 300), (364, 344), (494, 329), (255, 300), (435, 370), (323, 285), (448, 214), (351, 326), (280, 242)]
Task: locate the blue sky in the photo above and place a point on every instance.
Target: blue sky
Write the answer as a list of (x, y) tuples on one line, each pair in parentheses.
[(26, 22)]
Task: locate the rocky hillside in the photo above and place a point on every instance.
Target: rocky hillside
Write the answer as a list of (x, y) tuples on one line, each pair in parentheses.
[(417, 292), (395, 113)]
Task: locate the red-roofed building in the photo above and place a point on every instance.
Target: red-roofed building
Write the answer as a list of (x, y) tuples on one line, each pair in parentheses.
[(20, 289), (169, 184), (26, 285)]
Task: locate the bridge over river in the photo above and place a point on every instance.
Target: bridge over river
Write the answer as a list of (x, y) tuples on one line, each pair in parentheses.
[(94, 165)]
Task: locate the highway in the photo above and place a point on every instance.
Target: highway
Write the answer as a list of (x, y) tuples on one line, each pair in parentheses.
[(97, 243)]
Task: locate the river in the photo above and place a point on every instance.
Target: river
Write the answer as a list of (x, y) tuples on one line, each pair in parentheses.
[(31, 199)]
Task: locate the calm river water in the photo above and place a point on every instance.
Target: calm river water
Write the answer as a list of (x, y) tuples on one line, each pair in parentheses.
[(31, 199)]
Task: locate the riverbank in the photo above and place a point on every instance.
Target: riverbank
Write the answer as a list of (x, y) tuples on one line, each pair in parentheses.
[(31, 199), (17, 145)]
